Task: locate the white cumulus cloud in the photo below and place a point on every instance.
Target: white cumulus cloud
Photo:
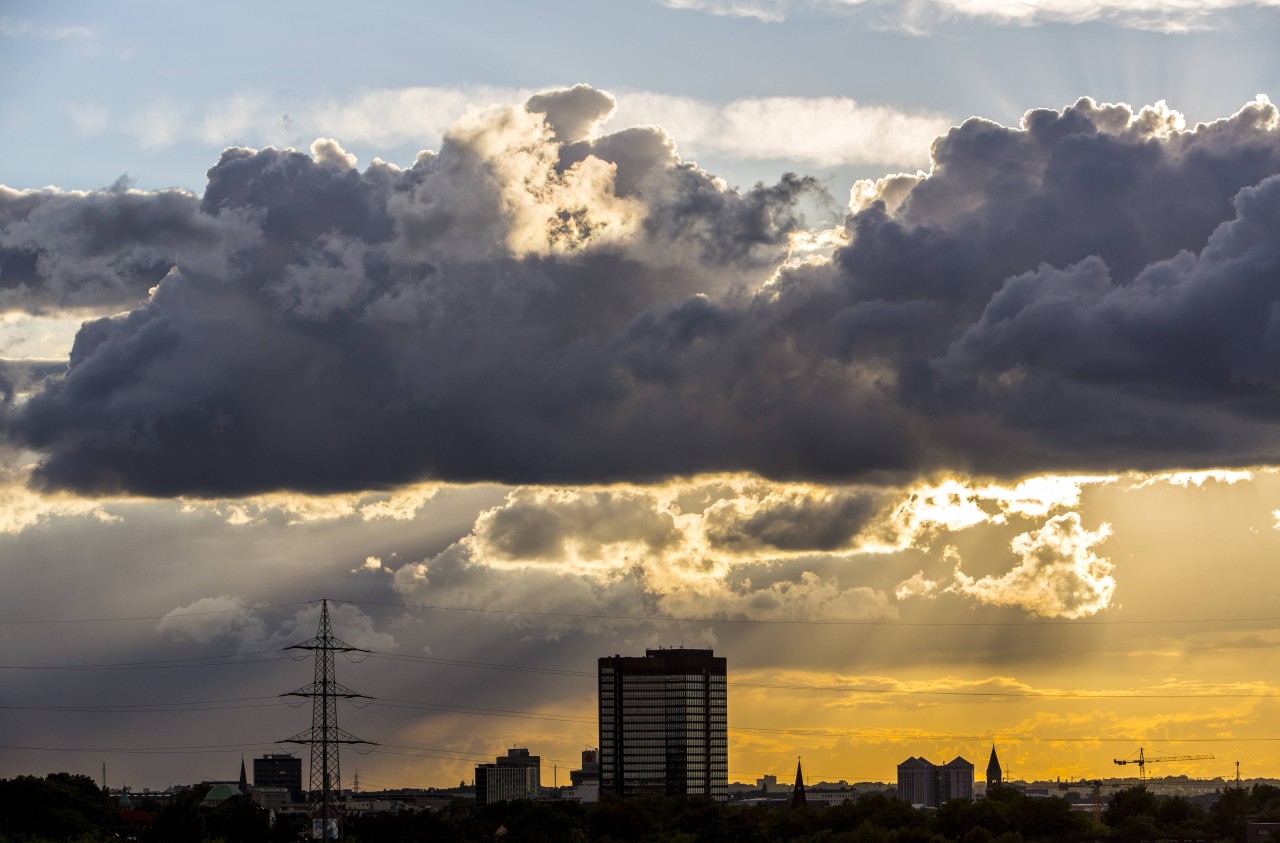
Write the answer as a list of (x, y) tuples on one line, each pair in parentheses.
[(1060, 575), (822, 131)]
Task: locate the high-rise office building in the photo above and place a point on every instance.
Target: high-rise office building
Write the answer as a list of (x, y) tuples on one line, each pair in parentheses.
[(663, 725), (279, 770)]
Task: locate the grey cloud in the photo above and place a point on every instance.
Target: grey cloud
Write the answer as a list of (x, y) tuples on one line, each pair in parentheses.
[(573, 113), (1093, 289), (634, 152), (18, 376), (101, 249), (531, 527), (1184, 355), (824, 521)]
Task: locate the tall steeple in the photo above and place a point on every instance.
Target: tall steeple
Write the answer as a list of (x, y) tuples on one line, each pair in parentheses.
[(797, 793), (244, 780), (995, 775)]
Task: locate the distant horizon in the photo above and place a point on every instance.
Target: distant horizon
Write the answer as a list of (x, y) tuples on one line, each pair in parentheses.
[(784, 786)]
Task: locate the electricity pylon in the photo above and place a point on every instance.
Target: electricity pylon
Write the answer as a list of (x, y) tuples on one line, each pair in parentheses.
[(324, 736)]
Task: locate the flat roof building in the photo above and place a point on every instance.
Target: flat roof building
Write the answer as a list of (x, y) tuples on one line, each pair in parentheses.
[(663, 724), (516, 776), (279, 769)]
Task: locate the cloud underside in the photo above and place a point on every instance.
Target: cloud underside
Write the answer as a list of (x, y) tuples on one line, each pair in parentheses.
[(731, 546), (1155, 15), (540, 303), (744, 548), (737, 547)]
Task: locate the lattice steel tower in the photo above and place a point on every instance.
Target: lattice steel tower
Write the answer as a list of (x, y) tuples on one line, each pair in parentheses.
[(324, 736)]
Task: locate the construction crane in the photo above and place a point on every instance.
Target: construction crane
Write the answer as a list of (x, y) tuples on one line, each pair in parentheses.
[(1142, 761)]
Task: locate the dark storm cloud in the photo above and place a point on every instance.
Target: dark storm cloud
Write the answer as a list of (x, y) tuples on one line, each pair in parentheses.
[(98, 249), (794, 522), (18, 376), (531, 526), (532, 304)]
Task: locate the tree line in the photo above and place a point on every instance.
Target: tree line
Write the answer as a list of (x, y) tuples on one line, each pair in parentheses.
[(73, 808)]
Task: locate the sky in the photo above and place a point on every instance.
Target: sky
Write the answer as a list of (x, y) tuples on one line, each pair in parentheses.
[(921, 358)]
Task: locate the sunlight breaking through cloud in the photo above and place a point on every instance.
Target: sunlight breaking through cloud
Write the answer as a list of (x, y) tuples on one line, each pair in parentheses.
[(1168, 16), (1059, 575)]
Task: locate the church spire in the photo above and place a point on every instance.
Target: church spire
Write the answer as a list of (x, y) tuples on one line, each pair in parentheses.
[(244, 780), (995, 775), (797, 793)]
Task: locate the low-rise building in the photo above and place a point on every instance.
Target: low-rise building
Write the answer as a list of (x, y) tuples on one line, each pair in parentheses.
[(279, 769), (271, 797), (516, 776), (586, 782), (830, 796)]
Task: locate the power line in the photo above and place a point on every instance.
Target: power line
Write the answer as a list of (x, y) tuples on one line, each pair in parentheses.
[(881, 622), (135, 709), (158, 664), (167, 616), (236, 703), (151, 750), (875, 622), (458, 752), (276, 655), (1012, 737), (455, 709), (556, 671), (1037, 695), (160, 705), (850, 689)]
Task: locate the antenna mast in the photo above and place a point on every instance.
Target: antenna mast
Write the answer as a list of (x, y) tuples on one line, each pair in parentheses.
[(324, 736)]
